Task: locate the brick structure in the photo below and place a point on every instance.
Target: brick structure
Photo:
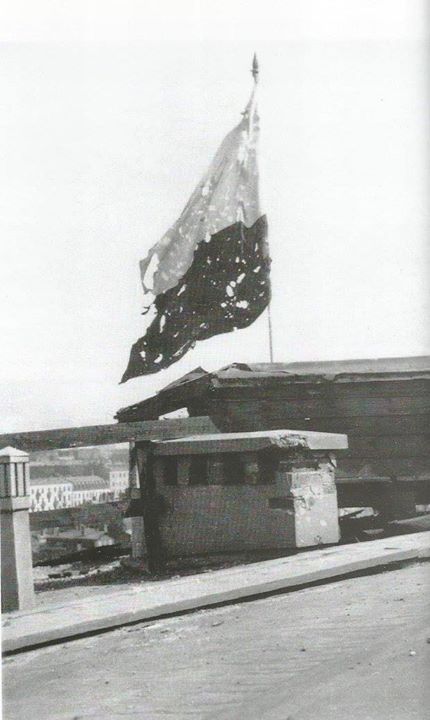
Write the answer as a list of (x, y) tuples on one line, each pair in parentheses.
[(119, 481), (239, 491)]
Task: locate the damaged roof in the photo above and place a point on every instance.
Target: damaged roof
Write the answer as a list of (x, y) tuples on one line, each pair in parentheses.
[(331, 368), (197, 382)]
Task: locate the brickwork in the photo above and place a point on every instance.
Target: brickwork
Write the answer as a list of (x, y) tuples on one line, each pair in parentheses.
[(298, 508)]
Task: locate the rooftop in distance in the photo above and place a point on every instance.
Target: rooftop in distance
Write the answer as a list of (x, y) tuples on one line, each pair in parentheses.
[(198, 381)]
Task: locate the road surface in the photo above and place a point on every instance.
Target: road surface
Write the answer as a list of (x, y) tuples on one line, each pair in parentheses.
[(358, 649)]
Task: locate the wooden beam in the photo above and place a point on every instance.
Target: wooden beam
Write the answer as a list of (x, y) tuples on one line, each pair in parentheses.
[(150, 507), (288, 390), (320, 407), (107, 434), (376, 426)]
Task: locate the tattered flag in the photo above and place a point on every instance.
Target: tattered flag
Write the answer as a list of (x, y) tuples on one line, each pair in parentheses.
[(209, 274)]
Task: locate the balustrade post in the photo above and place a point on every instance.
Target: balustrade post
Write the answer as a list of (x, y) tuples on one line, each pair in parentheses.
[(16, 562)]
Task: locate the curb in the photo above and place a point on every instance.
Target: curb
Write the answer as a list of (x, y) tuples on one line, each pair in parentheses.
[(26, 630)]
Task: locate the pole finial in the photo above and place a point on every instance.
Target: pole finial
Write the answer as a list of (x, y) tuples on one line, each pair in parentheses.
[(255, 69)]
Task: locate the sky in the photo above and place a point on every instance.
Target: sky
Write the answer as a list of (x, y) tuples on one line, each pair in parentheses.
[(111, 111)]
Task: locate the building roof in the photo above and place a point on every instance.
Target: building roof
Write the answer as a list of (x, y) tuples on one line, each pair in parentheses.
[(40, 481), (251, 441), (77, 482), (88, 482), (333, 368), (197, 383), (87, 534), (9, 450)]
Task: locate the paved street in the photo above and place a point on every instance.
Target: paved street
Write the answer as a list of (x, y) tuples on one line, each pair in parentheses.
[(355, 650)]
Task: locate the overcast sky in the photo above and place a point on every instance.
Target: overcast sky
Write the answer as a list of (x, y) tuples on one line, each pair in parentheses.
[(111, 111)]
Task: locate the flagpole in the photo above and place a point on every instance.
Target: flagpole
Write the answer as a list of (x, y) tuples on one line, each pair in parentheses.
[(269, 318), (255, 69)]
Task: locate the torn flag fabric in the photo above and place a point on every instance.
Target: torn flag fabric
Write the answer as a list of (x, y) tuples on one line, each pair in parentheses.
[(209, 273)]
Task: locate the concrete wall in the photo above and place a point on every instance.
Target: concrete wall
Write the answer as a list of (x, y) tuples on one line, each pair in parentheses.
[(299, 509)]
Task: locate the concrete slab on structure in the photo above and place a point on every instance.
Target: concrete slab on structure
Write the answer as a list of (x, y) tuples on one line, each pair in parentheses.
[(24, 630), (254, 441)]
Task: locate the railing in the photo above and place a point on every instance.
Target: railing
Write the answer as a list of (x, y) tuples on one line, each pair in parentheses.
[(16, 561), (92, 435), (390, 493)]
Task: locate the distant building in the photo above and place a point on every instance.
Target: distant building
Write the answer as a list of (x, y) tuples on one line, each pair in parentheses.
[(83, 538), (54, 493), (90, 489), (119, 481), (50, 493)]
